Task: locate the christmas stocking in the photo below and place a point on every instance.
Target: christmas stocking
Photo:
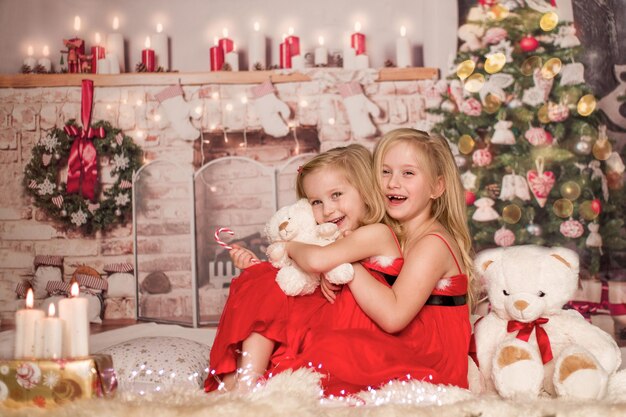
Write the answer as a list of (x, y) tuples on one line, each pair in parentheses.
[(178, 111), (359, 108), (271, 110)]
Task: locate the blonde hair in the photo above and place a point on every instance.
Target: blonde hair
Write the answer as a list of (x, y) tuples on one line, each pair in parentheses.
[(356, 163), (436, 159)]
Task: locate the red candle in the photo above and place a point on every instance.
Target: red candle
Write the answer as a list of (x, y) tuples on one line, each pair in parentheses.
[(285, 55), (293, 42), (147, 57), (217, 57), (226, 43), (97, 52), (357, 40)]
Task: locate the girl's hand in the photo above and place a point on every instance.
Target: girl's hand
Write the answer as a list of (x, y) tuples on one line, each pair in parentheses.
[(242, 258), (329, 290)]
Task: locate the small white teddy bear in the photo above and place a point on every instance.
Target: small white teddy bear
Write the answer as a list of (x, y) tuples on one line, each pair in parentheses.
[(297, 223), (528, 344)]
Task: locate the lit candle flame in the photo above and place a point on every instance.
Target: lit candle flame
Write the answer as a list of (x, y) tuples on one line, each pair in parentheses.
[(116, 23), (357, 27), (321, 40), (290, 30), (402, 31), (225, 32), (97, 38), (147, 42), (46, 51), (159, 28), (74, 289), (30, 50), (51, 310), (30, 298), (76, 23), (257, 26)]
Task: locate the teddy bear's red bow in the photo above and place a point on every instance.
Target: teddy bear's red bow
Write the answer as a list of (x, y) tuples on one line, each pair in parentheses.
[(525, 330)]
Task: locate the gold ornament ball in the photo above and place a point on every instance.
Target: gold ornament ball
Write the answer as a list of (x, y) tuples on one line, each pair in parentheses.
[(465, 69), (602, 149), (474, 83), (586, 210), (511, 213), (492, 104), (542, 114), (498, 12), (549, 21), (563, 208), (466, 144), (495, 62), (530, 64), (586, 105), (570, 190), (551, 68)]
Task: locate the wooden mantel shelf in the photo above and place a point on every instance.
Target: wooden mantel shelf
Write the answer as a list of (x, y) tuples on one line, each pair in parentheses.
[(194, 78)]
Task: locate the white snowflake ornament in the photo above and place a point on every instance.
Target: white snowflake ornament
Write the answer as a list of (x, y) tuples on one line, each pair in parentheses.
[(79, 218), (120, 162), (46, 187), (122, 199)]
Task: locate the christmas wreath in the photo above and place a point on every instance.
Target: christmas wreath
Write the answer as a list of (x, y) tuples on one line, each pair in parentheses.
[(76, 203)]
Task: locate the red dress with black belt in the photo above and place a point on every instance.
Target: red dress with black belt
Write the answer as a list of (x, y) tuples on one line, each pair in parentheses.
[(340, 340)]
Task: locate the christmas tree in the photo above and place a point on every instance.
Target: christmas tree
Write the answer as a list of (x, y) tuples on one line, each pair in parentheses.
[(535, 159)]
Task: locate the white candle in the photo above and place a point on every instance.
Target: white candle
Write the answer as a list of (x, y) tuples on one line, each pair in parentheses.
[(256, 51), (30, 61), (45, 61), (52, 331), (321, 54), (115, 52), (232, 59), (104, 66), (361, 62), (73, 312), (403, 50), (26, 319), (297, 62), (161, 50), (349, 55)]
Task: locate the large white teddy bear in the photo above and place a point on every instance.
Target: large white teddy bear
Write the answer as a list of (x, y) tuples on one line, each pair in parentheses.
[(297, 223), (528, 344)]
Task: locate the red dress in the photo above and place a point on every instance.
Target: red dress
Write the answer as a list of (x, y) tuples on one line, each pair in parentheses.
[(347, 347)]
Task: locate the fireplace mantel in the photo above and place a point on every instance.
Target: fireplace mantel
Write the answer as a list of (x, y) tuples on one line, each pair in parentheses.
[(195, 78)]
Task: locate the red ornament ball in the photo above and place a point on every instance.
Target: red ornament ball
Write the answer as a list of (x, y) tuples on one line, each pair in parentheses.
[(596, 206), (470, 197), (528, 43)]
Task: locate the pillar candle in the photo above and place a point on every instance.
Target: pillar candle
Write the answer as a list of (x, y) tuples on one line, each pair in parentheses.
[(232, 59), (216, 54), (349, 56), (52, 335), (293, 42), (97, 53), (115, 49), (285, 55), (104, 66), (45, 61), (30, 60), (226, 43), (321, 54), (297, 62), (403, 50), (361, 62), (256, 49), (26, 340), (147, 56), (357, 40), (73, 312), (161, 50)]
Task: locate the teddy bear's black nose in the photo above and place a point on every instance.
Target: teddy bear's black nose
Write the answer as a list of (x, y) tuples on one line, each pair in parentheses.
[(283, 226)]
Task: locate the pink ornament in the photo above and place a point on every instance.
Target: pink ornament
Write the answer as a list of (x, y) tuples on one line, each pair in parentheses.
[(572, 229), (540, 184), (495, 35), (482, 157), (504, 237), (557, 112), (471, 107), (538, 136)]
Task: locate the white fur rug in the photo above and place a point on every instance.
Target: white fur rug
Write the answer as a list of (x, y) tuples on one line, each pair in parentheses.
[(297, 394)]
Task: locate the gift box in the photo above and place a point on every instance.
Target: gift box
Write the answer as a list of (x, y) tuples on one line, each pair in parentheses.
[(48, 383)]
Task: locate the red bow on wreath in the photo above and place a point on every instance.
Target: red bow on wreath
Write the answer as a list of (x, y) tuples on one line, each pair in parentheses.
[(525, 329), (82, 165)]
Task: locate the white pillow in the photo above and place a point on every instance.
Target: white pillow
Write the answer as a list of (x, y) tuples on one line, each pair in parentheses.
[(43, 275), (156, 364), (121, 284)]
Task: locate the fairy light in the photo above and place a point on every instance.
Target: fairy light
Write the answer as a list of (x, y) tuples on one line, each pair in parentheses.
[(304, 103), (244, 100), (229, 107), (139, 102), (108, 107), (331, 121), (157, 117), (215, 95), (198, 110)]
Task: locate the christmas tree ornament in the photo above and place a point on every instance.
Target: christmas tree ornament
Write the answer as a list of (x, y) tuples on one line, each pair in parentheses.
[(484, 210), (557, 112), (594, 240), (271, 110), (178, 111), (498, 12), (514, 186), (495, 35), (470, 198), (471, 107), (492, 104), (448, 106), (572, 229), (359, 109), (511, 213), (495, 62), (502, 134), (566, 37), (542, 114), (468, 179), (551, 68), (563, 208), (614, 163), (549, 21), (534, 229), (531, 64), (482, 157), (538, 136), (471, 35), (465, 69), (495, 86), (586, 105), (474, 83), (587, 211), (572, 74), (602, 149), (460, 161), (540, 182), (504, 237), (466, 144), (528, 43), (570, 190), (493, 190), (596, 206), (514, 104)]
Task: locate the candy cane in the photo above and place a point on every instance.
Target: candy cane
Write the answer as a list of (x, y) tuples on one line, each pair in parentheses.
[(220, 241)]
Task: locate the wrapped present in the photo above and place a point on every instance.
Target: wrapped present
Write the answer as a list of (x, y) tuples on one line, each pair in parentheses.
[(600, 297), (48, 383)]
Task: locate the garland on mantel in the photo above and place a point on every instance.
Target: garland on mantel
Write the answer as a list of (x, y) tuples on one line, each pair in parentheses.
[(81, 210)]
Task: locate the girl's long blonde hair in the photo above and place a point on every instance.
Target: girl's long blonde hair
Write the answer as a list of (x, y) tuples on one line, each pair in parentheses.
[(437, 161), (356, 162)]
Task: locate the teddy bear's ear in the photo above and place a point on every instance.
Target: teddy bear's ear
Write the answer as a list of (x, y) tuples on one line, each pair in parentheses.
[(485, 258), (567, 257)]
